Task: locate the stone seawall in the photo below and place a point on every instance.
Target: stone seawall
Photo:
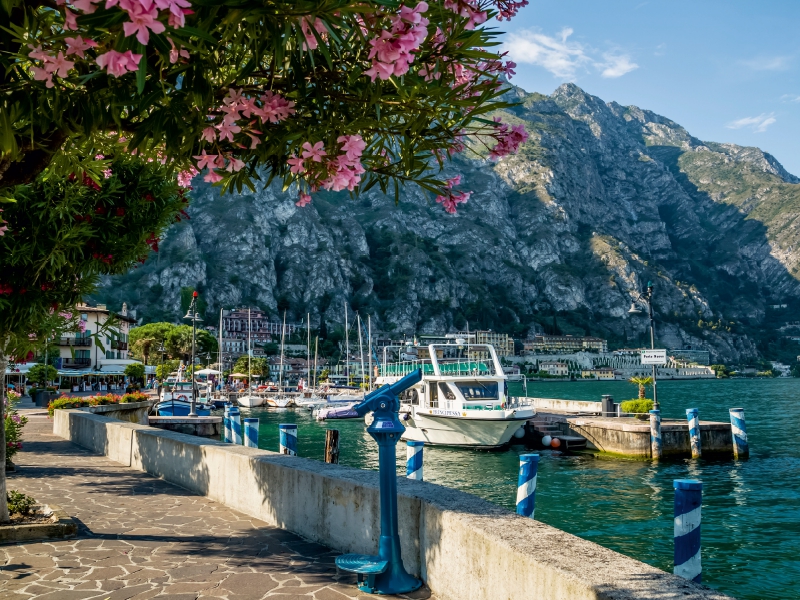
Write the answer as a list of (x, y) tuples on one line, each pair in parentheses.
[(132, 412), (462, 546)]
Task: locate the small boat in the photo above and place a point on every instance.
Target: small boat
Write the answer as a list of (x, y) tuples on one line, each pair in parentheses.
[(250, 400), (462, 399), (327, 412), (176, 401), (280, 401)]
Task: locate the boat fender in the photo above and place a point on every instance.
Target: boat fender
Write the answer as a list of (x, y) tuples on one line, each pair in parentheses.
[(555, 443), (406, 416), (546, 440)]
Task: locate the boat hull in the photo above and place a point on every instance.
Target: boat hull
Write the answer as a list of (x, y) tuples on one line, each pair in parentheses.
[(179, 408), (485, 432), (250, 401)]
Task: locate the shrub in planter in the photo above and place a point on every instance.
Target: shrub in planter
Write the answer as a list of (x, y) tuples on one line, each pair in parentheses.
[(637, 406), (14, 424), (19, 503), (134, 397)]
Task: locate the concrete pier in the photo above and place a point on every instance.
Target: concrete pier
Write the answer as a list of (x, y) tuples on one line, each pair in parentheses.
[(210, 427), (628, 436), (461, 546)]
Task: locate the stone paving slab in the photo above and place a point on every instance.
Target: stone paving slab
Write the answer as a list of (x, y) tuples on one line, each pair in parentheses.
[(140, 537)]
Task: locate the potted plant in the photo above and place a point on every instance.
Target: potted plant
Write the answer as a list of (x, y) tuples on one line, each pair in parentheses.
[(41, 374)]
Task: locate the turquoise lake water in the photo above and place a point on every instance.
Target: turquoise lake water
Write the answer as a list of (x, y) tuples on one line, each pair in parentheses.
[(751, 508)]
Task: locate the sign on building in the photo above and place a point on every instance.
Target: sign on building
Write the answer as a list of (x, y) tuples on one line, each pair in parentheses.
[(653, 357)]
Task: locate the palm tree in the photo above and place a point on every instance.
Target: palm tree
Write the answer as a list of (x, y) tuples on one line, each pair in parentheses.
[(143, 347), (641, 382)]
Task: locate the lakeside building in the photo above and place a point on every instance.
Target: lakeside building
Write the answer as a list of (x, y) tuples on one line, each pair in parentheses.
[(687, 355), (563, 343), (554, 368), (600, 373), (262, 330), (82, 361)]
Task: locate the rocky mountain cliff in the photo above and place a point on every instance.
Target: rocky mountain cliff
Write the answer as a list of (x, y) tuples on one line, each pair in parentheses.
[(601, 199)]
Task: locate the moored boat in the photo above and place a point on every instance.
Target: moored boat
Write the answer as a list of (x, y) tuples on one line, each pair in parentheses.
[(462, 399), (175, 400)]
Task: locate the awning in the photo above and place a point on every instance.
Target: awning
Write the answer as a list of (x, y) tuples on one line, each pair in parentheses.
[(75, 372), (112, 370)]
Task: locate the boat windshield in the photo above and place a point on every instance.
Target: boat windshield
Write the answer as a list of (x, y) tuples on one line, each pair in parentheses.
[(478, 390)]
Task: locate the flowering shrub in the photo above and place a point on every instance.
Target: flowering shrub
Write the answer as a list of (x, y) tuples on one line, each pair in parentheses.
[(14, 424), (341, 94), (101, 400)]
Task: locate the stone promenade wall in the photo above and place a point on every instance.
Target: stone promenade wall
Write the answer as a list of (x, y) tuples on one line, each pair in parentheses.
[(134, 412), (463, 547), (573, 406)]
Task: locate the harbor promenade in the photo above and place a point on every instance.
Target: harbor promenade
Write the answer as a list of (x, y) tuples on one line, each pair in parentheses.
[(141, 537)]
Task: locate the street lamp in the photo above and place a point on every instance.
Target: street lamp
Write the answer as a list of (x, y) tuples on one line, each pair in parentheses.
[(192, 315), (646, 300)]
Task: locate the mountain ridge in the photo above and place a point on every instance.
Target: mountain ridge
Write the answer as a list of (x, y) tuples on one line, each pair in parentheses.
[(601, 199)]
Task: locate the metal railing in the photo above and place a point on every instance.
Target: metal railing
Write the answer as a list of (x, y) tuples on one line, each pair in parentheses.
[(72, 341), (447, 369), (118, 345), (76, 362)]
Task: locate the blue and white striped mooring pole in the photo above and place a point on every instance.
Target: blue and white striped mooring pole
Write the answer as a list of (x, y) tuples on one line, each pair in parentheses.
[(688, 498), (739, 432), (655, 434), (227, 436), (251, 433), (288, 438), (526, 484), (414, 460), (693, 416), (236, 426)]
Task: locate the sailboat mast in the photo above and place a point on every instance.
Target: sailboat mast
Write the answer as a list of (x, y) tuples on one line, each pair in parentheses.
[(249, 352), (369, 348), (219, 354), (316, 348), (346, 345), (283, 337), (360, 347), (308, 349)]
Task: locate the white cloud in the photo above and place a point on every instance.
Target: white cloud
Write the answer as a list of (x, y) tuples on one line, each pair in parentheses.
[(768, 63), (557, 55), (790, 98), (561, 57), (759, 123), (616, 65)]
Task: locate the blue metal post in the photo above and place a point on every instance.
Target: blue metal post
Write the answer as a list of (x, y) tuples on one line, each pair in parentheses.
[(414, 460), (739, 432), (226, 420), (236, 425), (251, 433), (526, 484), (384, 573), (288, 438), (655, 434), (688, 500), (693, 416)]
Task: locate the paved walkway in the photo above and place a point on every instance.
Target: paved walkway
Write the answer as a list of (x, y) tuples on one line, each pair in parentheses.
[(141, 537)]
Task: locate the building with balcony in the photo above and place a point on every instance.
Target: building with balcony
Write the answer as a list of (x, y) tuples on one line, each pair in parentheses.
[(560, 369), (262, 330), (551, 344), (80, 355)]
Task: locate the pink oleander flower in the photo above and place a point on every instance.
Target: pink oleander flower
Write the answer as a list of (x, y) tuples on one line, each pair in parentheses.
[(82, 326), (59, 65), (453, 181), (212, 176), (206, 160), (452, 200), (119, 63), (40, 74), (70, 20), (304, 200), (315, 152), (3, 229), (311, 39), (107, 173), (297, 165), (508, 141), (352, 145), (143, 20), (86, 6), (226, 131), (209, 134), (274, 108), (185, 177), (78, 45), (234, 165), (175, 53)]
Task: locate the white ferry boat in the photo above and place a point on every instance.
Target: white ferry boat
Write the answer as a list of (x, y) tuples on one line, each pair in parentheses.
[(462, 399)]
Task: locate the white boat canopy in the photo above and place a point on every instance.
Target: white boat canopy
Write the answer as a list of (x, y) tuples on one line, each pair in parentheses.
[(207, 372)]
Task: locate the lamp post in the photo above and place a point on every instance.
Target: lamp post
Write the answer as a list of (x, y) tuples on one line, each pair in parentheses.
[(646, 300), (192, 315)]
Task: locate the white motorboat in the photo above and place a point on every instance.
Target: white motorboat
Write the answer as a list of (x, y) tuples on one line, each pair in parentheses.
[(250, 400), (280, 401), (462, 399)]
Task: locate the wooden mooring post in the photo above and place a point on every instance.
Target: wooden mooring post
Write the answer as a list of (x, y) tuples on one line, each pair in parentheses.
[(332, 446)]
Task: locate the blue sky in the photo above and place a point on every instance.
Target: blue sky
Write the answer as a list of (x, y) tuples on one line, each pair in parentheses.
[(728, 71)]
